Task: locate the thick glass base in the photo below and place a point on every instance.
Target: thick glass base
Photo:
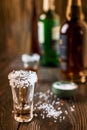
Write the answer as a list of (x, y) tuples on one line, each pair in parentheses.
[(24, 114), (23, 118)]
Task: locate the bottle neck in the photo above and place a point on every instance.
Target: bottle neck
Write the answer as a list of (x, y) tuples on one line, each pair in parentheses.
[(48, 5), (74, 10)]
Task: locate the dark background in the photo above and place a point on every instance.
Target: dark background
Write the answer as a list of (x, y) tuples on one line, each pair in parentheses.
[(15, 21)]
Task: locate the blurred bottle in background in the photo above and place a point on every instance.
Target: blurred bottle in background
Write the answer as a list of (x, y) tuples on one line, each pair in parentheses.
[(34, 30), (73, 42), (48, 34)]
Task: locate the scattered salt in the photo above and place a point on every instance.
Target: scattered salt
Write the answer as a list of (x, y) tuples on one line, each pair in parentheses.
[(50, 106)]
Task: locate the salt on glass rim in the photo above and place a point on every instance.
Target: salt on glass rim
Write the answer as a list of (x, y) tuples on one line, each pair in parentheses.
[(21, 78)]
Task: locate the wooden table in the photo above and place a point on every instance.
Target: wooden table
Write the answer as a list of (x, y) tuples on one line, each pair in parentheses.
[(72, 111)]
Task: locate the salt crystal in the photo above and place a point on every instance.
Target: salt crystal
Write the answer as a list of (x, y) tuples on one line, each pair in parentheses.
[(59, 108), (57, 102), (55, 121), (66, 112), (71, 108), (63, 117), (43, 117), (35, 115)]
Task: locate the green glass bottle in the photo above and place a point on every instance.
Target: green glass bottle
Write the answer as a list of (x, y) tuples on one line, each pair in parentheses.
[(48, 34)]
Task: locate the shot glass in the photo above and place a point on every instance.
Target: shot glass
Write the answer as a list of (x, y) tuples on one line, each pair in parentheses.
[(31, 62), (22, 85)]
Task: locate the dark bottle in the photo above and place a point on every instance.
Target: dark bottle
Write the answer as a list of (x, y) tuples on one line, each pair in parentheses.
[(73, 42), (48, 34), (34, 30)]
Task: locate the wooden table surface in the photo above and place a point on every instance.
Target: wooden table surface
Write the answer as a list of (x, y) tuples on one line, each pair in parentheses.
[(72, 111)]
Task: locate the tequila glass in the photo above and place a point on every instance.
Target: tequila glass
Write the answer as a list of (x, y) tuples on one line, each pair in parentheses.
[(22, 85)]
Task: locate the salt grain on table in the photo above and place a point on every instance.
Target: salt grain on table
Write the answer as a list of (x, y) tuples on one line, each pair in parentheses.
[(50, 106)]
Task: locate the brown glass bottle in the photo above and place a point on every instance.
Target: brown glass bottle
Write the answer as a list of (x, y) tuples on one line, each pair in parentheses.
[(34, 30), (73, 41)]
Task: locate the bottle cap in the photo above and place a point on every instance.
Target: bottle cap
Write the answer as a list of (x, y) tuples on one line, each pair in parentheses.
[(64, 88)]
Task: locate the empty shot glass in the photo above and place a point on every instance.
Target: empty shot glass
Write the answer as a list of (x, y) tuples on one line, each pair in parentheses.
[(22, 85)]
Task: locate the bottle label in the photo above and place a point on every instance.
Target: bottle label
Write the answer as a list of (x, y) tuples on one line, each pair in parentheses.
[(63, 51), (63, 47), (55, 33), (41, 32)]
